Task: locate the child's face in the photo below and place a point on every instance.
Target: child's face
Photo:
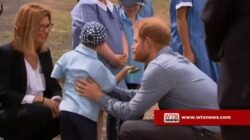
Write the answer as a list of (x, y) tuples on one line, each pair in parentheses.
[(132, 9)]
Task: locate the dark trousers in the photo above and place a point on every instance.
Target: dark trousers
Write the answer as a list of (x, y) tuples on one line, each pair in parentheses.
[(28, 122), (234, 83), (112, 127), (146, 130), (77, 127), (133, 86)]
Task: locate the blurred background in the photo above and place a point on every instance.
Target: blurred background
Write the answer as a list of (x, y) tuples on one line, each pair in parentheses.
[(60, 37)]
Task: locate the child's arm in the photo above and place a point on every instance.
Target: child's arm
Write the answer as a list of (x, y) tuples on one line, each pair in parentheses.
[(125, 46), (107, 53), (61, 81), (119, 76)]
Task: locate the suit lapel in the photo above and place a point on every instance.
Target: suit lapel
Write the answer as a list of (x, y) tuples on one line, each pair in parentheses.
[(22, 72)]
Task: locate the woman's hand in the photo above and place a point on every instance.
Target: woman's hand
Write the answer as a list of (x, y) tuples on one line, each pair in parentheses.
[(53, 105)]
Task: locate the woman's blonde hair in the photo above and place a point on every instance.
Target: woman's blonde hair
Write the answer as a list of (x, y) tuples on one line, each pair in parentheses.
[(155, 29), (27, 22)]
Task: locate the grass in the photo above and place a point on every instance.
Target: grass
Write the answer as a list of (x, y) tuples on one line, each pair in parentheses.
[(161, 9), (60, 37)]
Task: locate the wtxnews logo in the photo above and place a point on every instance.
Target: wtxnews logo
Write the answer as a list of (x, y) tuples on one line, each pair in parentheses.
[(171, 117)]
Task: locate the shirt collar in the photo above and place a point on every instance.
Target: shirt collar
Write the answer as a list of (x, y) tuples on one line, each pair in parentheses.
[(109, 5), (86, 51), (165, 49)]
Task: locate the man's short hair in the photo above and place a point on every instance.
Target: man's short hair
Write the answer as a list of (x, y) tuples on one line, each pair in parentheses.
[(155, 29)]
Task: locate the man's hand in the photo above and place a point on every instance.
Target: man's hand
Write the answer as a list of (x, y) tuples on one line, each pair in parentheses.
[(88, 88)]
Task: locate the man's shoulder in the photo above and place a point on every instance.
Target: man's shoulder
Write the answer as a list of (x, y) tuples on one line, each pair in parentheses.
[(83, 6), (164, 60)]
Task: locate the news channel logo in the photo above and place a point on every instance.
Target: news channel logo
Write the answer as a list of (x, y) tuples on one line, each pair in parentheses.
[(171, 117)]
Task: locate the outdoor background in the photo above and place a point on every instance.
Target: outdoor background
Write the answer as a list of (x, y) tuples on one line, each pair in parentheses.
[(60, 37)]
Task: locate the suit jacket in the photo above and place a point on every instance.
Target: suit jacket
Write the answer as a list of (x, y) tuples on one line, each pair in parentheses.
[(227, 24), (13, 76), (219, 17)]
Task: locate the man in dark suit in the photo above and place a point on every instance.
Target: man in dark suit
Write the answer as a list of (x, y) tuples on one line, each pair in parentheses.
[(227, 24)]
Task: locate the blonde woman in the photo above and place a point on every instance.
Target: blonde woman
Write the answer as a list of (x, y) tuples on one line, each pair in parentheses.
[(29, 97)]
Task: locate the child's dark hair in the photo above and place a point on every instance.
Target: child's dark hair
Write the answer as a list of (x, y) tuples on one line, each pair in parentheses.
[(93, 34)]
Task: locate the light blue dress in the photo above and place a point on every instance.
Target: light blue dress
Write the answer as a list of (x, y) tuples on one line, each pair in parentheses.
[(92, 10), (196, 35), (76, 64), (147, 10), (134, 78)]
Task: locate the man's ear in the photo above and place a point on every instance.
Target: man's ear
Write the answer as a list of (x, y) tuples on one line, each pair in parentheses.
[(148, 41)]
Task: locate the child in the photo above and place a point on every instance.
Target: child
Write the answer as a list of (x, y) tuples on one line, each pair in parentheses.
[(106, 13), (78, 115), (188, 34), (129, 15), (147, 10)]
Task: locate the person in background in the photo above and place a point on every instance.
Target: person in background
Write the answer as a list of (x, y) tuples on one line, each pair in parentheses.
[(29, 97), (169, 80), (1, 8), (114, 52), (227, 25), (129, 15), (188, 36), (79, 115), (147, 10)]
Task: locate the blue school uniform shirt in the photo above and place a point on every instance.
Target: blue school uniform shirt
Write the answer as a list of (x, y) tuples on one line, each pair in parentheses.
[(134, 78), (147, 9), (76, 64), (196, 34)]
